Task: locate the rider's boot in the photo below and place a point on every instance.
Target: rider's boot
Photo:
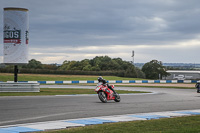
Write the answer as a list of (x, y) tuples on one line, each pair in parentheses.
[(115, 93)]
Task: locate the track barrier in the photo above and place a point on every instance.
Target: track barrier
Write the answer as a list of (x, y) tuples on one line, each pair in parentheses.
[(109, 81)]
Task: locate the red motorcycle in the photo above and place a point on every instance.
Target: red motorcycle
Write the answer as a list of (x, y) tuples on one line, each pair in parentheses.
[(106, 94)]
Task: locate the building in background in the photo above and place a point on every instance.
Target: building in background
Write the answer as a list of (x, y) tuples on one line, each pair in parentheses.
[(183, 75)]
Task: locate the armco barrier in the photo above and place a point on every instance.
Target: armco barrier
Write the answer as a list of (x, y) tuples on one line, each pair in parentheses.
[(19, 87), (111, 81)]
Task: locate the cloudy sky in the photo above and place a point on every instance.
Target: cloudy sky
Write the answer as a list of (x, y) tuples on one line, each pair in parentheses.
[(166, 30)]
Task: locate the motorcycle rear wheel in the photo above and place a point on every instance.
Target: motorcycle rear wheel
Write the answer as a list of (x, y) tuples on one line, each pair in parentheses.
[(102, 96)]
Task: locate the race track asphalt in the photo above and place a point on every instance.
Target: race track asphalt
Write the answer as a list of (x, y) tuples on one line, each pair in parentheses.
[(28, 109)]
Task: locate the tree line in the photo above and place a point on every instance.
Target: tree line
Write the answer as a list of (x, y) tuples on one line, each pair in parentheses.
[(100, 65)]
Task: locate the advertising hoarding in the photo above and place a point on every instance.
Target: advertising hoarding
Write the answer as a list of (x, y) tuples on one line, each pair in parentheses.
[(16, 30)]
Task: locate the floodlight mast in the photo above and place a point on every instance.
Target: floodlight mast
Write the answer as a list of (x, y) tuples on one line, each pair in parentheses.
[(133, 54)]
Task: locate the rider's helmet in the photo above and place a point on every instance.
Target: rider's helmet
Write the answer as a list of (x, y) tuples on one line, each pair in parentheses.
[(100, 78)]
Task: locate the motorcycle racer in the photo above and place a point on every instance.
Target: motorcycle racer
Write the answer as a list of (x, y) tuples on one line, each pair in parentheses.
[(103, 82)]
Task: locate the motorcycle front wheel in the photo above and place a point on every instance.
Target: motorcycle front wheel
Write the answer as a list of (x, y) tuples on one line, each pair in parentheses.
[(198, 90), (117, 98), (102, 96)]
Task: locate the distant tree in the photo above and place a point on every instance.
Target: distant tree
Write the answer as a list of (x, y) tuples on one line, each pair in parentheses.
[(64, 65), (85, 65), (100, 65), (104, 63), (50, 66), (33, 64), (153, 69), (69, 65), (130, 72), (140, 73), (73, 65)]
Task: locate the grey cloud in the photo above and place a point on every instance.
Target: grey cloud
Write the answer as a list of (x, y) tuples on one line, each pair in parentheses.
[(78, 19), (79, 23)]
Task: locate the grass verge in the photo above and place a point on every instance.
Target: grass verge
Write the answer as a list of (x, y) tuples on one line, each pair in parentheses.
[(51, 77), (189, 124), (60, 91)]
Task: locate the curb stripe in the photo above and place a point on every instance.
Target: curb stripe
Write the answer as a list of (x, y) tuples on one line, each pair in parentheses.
[(149, 117), (91, 121), (53, 125), (17, 130), (121, 118), (49, 125), (189, 112)]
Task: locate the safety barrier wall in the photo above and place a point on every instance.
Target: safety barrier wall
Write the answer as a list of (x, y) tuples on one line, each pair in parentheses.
[(111, 81), (19, 87)]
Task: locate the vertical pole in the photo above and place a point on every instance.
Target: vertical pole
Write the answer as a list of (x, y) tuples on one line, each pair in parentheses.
[(15, 73), (133, 54)]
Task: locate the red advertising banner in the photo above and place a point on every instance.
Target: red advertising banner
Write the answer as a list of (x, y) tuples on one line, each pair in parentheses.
[(15, 41)]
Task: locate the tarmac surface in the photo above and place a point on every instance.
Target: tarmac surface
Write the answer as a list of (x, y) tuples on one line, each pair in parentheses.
[(29, 109)]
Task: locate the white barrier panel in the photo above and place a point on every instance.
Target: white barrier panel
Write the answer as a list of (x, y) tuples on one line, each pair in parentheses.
[(150, 81), (174, 81), (83, 82), (125, 81), (50, 82), (162, 81), (96, 81), (112, 81), (67, 82), (32, 82), (10, 81), (138, 81), (187, 81)]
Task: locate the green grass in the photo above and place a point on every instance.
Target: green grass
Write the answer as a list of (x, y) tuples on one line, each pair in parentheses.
[(60, 91), (188, 124), (50, 77)]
